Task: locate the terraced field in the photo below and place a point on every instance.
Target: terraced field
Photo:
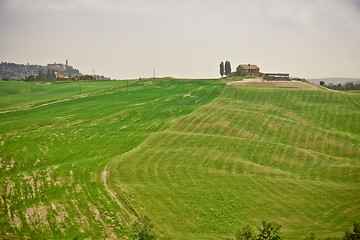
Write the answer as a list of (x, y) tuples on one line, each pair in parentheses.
[(55, 146), (285, 155)]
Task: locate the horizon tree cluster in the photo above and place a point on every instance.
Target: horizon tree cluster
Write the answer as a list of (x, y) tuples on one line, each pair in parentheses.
[(225, 69)]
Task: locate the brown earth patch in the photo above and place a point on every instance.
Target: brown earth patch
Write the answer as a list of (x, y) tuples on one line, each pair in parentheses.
[(277, 84)]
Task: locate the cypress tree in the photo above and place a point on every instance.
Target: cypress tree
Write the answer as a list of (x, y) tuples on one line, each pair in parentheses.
[(227, 68), (222, 69)]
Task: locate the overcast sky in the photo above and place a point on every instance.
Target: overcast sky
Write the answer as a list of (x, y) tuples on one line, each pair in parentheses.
[(184, 38)]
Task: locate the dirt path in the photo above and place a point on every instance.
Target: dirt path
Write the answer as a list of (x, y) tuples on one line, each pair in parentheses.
[(104, 178), (27, 107), (258, 82)]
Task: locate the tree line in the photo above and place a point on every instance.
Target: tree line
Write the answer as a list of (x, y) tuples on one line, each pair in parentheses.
[(49, 76), (225, 69), (346, 87)]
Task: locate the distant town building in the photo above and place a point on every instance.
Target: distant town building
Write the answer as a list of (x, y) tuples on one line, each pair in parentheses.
[(60, 76), (248, 70)]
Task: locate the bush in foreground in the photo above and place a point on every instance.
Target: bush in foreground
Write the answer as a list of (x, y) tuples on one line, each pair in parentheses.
[(142, 229), (271, 231)]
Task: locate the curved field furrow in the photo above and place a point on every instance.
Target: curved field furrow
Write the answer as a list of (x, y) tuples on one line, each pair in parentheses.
[(54, 158), (292, 159)]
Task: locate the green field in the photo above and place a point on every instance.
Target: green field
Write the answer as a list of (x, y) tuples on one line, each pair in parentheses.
[(198, 164)]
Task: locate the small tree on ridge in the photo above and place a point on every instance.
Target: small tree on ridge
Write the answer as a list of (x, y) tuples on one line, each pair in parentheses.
[(227, 68), (222, 69)]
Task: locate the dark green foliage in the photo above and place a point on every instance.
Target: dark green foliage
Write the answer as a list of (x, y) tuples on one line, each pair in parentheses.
[(268, 231), (41, 76), (322, 83), (30, 78), (355, 234), (142, 229), (312, 236), (345, 87), (87, 77), (48, 75), (52, 75), (227, 68), (246, 233), (222, 69), (271, 231)]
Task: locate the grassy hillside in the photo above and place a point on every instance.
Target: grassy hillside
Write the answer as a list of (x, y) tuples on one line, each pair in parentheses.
[(14, 95), (55, 146), (287, 155)]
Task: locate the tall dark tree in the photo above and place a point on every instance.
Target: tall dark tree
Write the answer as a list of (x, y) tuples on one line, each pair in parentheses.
[(41, 76), (48, 75), (53, 76), (222, 69), (227, 68)]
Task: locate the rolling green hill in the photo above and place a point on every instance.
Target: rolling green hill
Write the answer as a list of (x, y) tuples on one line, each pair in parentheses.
[(199, 164), (228, 164), (53, 153)]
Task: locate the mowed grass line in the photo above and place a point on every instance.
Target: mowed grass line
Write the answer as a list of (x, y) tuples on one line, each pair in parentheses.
[(52, 156), (228, 164), (18, 95)]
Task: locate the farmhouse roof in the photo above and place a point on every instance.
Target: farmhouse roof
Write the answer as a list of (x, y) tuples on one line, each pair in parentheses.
[(249, 66)]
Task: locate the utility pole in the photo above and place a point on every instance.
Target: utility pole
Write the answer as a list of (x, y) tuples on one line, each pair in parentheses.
[(183, 87), (154, 72), (235, 93), (32, 85)]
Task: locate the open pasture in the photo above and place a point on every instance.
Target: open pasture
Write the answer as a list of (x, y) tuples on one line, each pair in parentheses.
[(55, 146), (285, 155)]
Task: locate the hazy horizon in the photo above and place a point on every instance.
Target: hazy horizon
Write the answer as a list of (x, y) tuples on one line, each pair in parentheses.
[(128, 38)]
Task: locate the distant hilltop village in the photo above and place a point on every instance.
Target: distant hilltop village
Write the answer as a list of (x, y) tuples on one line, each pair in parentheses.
[(22, 71), (65, 70)]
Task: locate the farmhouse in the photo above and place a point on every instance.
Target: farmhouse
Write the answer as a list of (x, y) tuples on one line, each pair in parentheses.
[(248, 70)]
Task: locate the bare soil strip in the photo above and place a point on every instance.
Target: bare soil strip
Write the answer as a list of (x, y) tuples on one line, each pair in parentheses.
[(104, 178), (27, 107), (257, 82)]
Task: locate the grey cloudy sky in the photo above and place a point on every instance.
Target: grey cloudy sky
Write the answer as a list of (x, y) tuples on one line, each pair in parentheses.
[(184, 38)]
